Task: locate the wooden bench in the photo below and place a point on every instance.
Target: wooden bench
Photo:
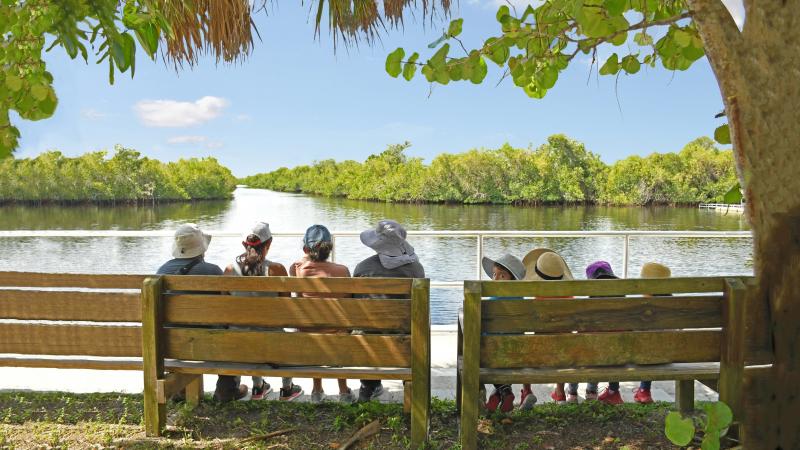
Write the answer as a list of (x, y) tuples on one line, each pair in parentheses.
[(697, 333), (178, 310), (70, 321)]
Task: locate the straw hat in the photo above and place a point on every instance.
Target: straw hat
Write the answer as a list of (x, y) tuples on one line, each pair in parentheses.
[(509, 262), (655, 270), (545, 264)]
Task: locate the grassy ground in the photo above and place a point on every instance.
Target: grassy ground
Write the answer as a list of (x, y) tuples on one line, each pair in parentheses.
[(59, 420)]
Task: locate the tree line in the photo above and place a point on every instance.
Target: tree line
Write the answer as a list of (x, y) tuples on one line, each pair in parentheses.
[(559, 171), (124, 177)]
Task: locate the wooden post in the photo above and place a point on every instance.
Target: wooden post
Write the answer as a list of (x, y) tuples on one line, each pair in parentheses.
[(407, 397), (684, 396), (731, 366), (420, 362), (155, 412), (459, 360), (194, 391), (471, 365)]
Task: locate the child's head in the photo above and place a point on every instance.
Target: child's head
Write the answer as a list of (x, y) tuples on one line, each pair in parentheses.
[(504, 268), (500, 273)]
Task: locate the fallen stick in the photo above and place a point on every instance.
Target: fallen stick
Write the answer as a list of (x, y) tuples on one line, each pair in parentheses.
[(264, 437), (368, 430)]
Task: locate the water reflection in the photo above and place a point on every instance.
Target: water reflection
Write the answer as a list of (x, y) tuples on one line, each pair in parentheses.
[(445, 259)]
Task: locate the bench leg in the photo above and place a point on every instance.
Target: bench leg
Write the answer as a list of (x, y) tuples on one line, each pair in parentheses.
[(458, 390), (194, 391), (684, 396), (155, 413), (407, 397)]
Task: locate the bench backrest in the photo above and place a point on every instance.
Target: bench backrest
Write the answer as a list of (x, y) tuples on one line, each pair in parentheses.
[(70, 314), (190, 311), (618, 322)]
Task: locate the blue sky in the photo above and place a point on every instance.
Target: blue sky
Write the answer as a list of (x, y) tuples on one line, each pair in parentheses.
[(295, 100)]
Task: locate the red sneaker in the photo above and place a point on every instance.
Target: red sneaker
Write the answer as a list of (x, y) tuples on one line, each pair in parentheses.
[(494, 401), (558, 398), (610, 397), (642, 396), (508, 401), (527, 400)]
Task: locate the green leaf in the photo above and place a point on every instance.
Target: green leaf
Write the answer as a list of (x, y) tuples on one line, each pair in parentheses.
[(438, 58), (427, 70), (710, 440), (719, 416), (643, 39), (13, 82), (147, 35), (723, 134), (631, 64), (682, 37), (679, 431), (529, 11), (734, 195), (611, 65), (619, 39), (479, 71), (499, 55), (547, 77), (39, 92), (436, 43), (615, 7), (411, 67), (502, 12), (455, 27), (393, 66)]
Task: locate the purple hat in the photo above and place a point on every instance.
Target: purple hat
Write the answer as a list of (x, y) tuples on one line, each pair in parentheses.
[(600, 270)]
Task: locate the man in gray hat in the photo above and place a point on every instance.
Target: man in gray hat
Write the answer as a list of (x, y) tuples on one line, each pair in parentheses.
[(188, 250), (394, 258)]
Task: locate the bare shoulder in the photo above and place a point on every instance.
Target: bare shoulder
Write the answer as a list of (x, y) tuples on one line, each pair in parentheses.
[(277, 270)]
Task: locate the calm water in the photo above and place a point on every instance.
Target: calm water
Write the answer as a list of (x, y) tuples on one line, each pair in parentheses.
[(445, 259)]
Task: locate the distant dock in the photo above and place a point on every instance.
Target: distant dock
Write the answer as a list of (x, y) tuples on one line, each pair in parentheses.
[(724, 207)]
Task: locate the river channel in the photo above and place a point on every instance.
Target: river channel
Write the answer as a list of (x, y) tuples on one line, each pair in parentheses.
[(445, 258)]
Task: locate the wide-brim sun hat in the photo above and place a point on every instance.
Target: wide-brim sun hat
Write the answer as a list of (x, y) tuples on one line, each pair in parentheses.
[(543, 264), (509, 262), (387, 238), (190, 241), (655, 270)]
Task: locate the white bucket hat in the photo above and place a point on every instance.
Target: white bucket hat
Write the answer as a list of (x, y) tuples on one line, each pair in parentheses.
[(189, 241), (545, 264), (509, 262)]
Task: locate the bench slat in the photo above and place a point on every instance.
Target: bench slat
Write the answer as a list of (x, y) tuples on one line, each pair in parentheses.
[(302, 349), (71, 363), (87, 340), (345, 313), (600, 349), (679, 371), (93, 281), (367, 373), (288, 284), (601, 314), (78, 306), (601, 287)]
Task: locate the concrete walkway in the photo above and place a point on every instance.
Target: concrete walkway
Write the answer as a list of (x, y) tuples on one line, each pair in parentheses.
[(443, 383)]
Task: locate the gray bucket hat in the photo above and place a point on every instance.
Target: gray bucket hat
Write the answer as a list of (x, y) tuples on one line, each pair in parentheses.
[(509, 262), (387, 238)]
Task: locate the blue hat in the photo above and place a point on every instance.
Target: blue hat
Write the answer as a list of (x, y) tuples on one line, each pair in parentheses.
[(316, 234)]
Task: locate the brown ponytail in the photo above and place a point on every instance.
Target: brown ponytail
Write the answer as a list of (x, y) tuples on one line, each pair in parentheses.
[(321, 251)]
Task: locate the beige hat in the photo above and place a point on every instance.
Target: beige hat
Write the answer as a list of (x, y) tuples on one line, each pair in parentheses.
[(190, 241), (655, 270), (545, 264)]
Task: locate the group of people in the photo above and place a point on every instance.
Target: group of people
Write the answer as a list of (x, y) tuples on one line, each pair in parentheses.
[(394, 258), (543, 264)]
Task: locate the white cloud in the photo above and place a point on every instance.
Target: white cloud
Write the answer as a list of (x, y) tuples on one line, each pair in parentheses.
[(178, 140), (736, 8), (93, 114), (172, 113), (195, 140)]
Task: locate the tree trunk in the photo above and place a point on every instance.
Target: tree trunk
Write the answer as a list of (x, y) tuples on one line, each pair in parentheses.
[(758, 71)]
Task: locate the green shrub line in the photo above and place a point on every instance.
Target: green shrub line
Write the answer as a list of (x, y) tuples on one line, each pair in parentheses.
[(126, 177), (561, 171)]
